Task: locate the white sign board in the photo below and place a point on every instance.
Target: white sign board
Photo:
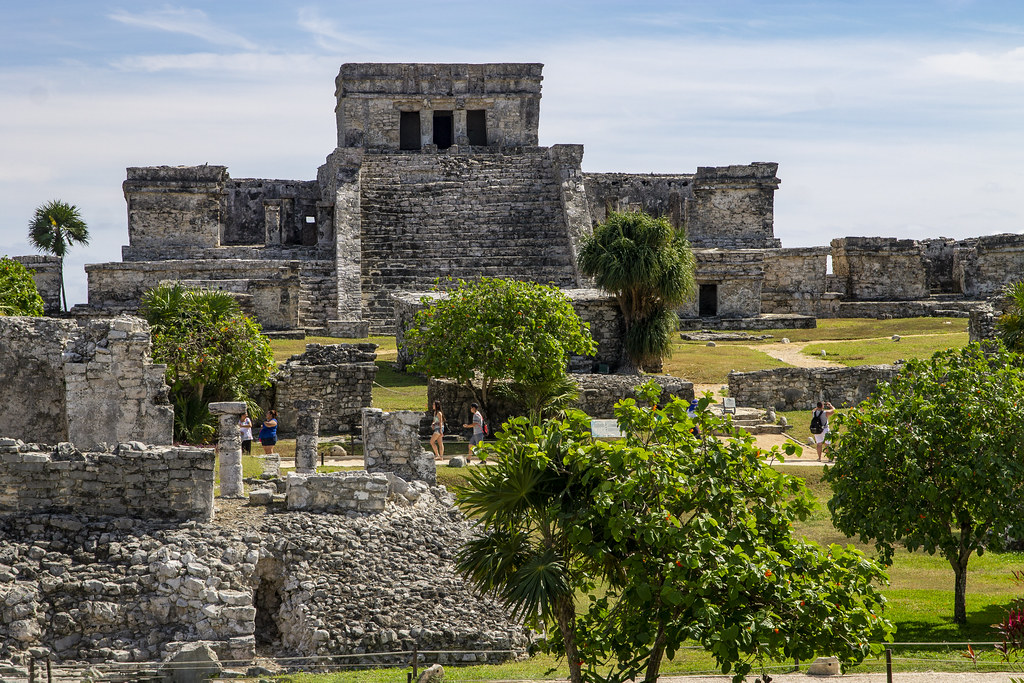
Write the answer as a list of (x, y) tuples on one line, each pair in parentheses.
[(605, 429), (729, 405)]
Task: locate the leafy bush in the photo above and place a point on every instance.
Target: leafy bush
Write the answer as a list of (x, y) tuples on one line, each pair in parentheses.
[(18, 293)]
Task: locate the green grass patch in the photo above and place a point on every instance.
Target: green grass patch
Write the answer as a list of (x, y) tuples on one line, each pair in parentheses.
[(885, 350), (286, 348), (395, 390), (865, 328), (696, 362)]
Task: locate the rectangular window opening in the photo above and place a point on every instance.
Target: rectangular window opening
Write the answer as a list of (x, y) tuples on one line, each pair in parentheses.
[(409, 130), (476, 127), (443, 129)]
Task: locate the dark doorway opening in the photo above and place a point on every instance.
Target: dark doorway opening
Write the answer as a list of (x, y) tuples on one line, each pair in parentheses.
[(443, 129), (267, 601), (707, 301), (409, 130), (476, 127)]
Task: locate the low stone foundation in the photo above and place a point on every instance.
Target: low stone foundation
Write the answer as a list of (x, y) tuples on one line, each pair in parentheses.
[(885, 310), (145, 482), (598, 395), (391, 443), (802, 388), (766, 321), (359, 492)]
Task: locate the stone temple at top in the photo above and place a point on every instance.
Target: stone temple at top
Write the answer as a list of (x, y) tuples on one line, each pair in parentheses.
[(438, 172)]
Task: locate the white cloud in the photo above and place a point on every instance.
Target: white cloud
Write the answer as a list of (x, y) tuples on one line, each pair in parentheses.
[(259, 64), (330, 38), (183, 20), (1002, 67)]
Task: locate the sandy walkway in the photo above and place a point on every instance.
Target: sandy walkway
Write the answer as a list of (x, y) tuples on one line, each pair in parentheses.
[(794, 355)]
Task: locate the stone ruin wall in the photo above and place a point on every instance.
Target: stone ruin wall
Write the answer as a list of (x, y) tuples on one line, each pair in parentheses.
[(737, 275), (391, 444), (733, 207), (46, 274), (91, 383), (658, 194), (262, 212), (796, 282), (985, 265), (118, 589), (598, 395), (802, 388), (339, 375), (133, 480)]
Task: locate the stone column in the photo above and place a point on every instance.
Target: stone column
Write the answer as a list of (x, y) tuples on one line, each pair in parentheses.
[(307, 428), (229, 447)]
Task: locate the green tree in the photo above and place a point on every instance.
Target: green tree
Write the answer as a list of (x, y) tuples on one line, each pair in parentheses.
[(649, 267), (54, 227), (688, 538), (1010, 326), (491, 329), (18, 293), (932, 460), (213, 353)]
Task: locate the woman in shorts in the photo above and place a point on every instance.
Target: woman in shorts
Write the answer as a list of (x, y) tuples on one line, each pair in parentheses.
[(268, 432), (437, 431)]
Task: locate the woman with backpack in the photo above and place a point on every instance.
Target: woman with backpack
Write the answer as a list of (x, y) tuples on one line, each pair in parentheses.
[(819, 425)]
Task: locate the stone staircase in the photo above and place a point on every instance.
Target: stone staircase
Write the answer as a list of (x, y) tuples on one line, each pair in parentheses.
[(427, 216)]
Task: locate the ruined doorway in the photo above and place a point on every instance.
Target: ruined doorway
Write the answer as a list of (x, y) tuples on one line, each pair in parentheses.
[(443, 129), (476, 127), (267, 598), (409, 130), (707, 301)]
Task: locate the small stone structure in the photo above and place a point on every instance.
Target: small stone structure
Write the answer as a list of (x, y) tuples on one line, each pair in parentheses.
[(91, 383), (802, 388), (229, 447), (391, 443), (357, 492), (339, 375), (135, 480), (307, 428), (880, 268)]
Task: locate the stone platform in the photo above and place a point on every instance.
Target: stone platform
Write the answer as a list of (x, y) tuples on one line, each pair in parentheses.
[(765, 321)]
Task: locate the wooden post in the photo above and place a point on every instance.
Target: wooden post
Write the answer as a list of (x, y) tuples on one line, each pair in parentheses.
[(888, 665)]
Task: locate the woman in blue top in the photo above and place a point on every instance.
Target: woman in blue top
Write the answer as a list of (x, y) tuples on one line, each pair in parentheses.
[(268, 432)]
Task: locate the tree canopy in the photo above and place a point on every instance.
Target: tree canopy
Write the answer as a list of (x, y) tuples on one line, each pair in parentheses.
[(212, 350), (659, 538), (493, 329), (18, 293), (55, 226), (932, 460), (1010, 325), (649, 267)]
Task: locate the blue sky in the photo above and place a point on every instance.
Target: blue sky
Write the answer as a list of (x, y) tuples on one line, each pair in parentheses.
[(890, 118)]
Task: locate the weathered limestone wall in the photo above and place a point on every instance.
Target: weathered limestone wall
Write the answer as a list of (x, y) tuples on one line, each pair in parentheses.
[(391, 443), (46, 273), (733, 207), (90, 384), (338, 492), (795, 281), (105, 589), (175, 205), (983, 266), (461, 215), (339, 375), (802, 388), (982, 323), (880, 268), (260, 211), (938, 263), (658, 194), (598, 395), (135, 480), (372, 96), (738, 275), (340, 185)]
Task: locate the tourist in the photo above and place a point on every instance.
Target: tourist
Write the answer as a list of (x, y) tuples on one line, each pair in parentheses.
[(268, 432), (245, 430), (437, 431), (819, 426), (478, 430), (691, 412)]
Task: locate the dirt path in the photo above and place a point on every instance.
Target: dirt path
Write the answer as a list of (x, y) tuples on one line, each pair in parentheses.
[(793, 354)]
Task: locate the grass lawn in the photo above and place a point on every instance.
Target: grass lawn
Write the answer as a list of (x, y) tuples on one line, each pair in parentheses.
[(696, 362), (866, 328), (885, 350), (286, 348)]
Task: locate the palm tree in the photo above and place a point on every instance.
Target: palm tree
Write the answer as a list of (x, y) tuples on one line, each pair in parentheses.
[(1010, 325), (647, 264), (55, 226), (525, 512)]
